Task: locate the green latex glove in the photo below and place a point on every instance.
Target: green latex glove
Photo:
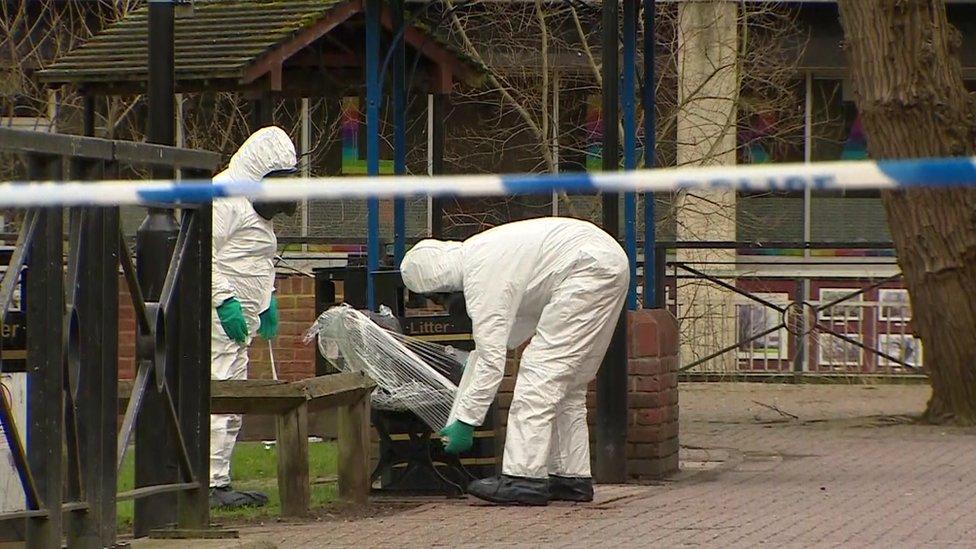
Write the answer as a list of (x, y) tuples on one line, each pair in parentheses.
[(458, 437), (269, 320), (231, 317)]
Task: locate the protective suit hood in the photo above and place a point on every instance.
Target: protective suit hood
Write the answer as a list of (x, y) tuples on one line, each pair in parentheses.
[(267, 150), (433, 266)]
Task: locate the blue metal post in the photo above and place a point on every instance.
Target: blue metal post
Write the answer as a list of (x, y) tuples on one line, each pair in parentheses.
[(399, 132), (372, 144), (629, 112), (650, 142)]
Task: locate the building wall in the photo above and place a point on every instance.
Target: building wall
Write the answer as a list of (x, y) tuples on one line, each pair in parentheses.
[(821, 35), (834, 219)]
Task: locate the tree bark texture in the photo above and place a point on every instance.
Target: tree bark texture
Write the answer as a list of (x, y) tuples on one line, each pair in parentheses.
[(910, 93)]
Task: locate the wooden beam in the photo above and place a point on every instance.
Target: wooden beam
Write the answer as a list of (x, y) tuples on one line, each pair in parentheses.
[(292, 444), (275, 78), (332, 39), (449, 62), (441, 80), (89, 148), (306, 36), (335, 390), (94, 148), (265, 396), (145, 491), (353, 460), (327, 59), (164, 155)]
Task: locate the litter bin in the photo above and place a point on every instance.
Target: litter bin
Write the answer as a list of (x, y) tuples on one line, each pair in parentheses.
[(389, 292), (411, 457)]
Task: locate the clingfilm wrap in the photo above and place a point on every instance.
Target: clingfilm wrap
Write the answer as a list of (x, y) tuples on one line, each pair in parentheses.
[(410, 374)]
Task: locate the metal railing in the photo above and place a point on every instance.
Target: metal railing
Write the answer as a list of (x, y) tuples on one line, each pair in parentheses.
[(743, 313), (68, 261)]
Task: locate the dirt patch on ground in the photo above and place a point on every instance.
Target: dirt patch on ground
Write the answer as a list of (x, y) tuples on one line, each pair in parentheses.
[(334, 512)]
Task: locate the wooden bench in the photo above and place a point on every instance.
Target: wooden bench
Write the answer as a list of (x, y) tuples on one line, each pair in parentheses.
[(291, 403)]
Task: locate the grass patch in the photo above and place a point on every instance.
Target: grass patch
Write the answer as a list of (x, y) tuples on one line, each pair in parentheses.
[(252, 467)]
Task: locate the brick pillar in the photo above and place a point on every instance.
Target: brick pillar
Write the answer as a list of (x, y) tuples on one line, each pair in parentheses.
[(652, 430)]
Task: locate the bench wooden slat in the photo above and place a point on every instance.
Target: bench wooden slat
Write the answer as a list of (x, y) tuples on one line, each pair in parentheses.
[(270, 397)]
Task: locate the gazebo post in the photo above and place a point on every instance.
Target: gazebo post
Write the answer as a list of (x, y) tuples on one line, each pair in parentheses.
[(399, 131), (262, 111), (651, 299), (629, 81), (373, 93), (436, 112)]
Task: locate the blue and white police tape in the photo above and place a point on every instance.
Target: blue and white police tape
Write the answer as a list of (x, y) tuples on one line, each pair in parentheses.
[(893, 174)]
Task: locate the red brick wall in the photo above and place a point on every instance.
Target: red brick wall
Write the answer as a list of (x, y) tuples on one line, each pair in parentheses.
[(652, 426), (296, 304)]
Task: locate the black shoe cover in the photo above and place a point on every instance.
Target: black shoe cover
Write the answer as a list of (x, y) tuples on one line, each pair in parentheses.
[(509, 490), (570, 488), (225, 497)]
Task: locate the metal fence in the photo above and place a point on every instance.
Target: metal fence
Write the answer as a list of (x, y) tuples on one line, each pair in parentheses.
[(68, 454), (744, 313)]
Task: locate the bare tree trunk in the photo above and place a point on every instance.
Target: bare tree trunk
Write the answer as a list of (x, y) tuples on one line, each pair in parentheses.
[(910, 93)]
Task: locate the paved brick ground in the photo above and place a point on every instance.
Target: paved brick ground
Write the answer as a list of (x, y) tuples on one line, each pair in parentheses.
[(847, 471)]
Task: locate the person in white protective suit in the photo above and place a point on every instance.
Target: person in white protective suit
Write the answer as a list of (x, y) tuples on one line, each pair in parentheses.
[(244, 248), (561, 282)]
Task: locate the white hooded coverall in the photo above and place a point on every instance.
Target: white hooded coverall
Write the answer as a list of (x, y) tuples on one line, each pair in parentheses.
[(561, 282), (244, 247)]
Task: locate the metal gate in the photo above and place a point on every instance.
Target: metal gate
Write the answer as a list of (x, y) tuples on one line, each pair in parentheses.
[(68, 454)]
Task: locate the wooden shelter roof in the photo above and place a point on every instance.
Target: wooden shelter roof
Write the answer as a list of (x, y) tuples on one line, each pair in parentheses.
[(239, 45)]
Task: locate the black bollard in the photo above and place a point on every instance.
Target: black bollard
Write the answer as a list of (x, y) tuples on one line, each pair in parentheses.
[(610, 460), (155, 455)]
